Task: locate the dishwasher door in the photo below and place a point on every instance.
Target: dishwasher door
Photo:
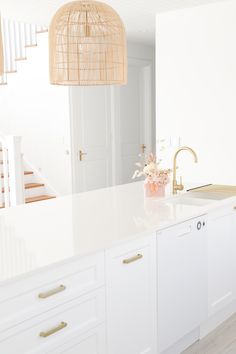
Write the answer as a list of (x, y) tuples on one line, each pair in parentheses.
[(182, 280)]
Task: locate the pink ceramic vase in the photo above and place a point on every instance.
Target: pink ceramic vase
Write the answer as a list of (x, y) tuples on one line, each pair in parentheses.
[(154, 190)]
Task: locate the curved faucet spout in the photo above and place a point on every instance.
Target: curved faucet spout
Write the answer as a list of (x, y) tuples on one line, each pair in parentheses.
[(176, 186)]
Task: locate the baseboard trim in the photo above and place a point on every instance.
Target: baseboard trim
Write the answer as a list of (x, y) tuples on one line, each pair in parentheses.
[(207, 327), (217, 319), (183, 343)]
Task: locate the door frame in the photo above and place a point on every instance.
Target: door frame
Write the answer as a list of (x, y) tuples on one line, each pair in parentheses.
[(73, 152)]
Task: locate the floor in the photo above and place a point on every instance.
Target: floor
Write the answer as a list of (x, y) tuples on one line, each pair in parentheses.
[(220, 341)]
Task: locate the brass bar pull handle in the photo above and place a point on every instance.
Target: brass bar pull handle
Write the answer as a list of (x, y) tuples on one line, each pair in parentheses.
[(132, 259), (53, 330), (52, 292), (81, 154)]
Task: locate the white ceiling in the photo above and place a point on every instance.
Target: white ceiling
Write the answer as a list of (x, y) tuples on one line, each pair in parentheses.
[(138, 15)]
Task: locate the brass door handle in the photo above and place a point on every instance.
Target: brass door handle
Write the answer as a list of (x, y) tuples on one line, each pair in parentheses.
[(81, 154), (53, 330), (52, 292), (143, 148), (132, 259)]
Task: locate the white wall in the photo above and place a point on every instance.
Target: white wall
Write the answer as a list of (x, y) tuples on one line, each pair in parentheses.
[(196, 87), (39, 112), (146, 52)]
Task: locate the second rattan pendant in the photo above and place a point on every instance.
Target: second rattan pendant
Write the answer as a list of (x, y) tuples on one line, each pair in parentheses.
[(87, 45)]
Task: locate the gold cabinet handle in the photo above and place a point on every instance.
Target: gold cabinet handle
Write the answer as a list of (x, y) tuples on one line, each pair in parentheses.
[(132, 259), (81, 154), (52, 292), (53, 330)]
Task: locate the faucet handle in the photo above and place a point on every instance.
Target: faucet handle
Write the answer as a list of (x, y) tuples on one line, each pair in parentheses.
[(181, 186)]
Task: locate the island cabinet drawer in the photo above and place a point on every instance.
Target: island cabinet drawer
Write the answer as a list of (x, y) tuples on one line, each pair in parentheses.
[(92, 342), (55, 327), (38, 293)]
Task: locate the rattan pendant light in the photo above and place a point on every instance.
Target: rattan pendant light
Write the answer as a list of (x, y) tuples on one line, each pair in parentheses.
[(87, 45), (1, 51)]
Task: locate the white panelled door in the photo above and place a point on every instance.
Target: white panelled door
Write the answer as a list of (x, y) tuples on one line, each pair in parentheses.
[(135, 118), (91, 111), (111, 126)]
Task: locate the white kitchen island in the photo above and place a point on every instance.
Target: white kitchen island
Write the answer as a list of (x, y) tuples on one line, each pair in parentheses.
[(111, 272)]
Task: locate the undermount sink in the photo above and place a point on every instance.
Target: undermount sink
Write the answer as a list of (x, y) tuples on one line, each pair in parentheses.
[(188, 200), (213, 192), (211, 195), (203, 196)]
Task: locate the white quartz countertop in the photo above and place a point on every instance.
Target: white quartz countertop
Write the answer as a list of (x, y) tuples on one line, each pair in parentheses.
[(41, 234)]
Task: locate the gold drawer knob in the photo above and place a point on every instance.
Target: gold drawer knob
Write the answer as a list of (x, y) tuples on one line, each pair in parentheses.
[(52, 292), (132, 259), (53, 330)]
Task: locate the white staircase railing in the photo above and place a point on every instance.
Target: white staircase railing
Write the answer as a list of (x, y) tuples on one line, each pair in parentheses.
[(17, 36), (11, 179)]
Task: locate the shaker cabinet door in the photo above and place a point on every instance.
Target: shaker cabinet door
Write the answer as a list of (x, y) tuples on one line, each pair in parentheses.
[(131, 298), (221, 259)]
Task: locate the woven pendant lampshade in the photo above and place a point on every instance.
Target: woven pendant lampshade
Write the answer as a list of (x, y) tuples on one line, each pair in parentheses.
[(1, 51), (87, 45)]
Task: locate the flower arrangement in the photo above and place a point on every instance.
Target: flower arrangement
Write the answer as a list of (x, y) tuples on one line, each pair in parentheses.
[(156, 178)]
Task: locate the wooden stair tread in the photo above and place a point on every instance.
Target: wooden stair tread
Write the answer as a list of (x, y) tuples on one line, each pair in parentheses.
[(26, 173), (38, 198), (33, 185), (30, 186)]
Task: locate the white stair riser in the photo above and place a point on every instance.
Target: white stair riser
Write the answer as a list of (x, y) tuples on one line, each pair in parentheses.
[(34, 192), (29, 179)]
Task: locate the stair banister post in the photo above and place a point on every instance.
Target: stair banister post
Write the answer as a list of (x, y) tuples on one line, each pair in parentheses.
[(5, 170), (16, 175)]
